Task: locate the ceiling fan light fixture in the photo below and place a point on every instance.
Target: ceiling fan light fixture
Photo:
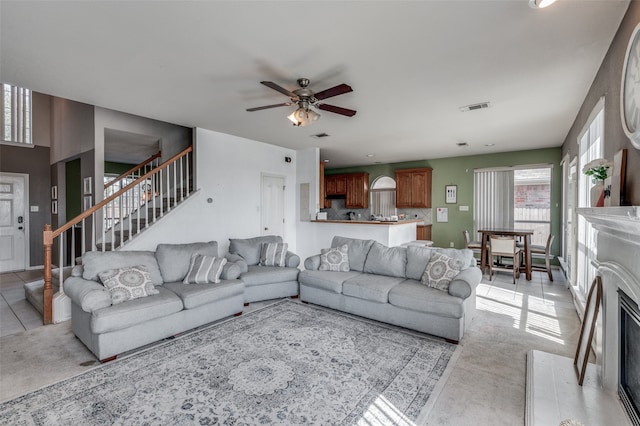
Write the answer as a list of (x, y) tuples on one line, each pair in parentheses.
[(303, 117), (540, 4)]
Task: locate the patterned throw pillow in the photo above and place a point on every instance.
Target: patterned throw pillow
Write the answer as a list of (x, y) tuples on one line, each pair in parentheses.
[(440, 270), (204, 269), (127, 283), (335, 259), (273, 254)]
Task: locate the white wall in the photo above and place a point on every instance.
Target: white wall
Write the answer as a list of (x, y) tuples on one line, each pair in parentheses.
[(308, 172), (228, 170)]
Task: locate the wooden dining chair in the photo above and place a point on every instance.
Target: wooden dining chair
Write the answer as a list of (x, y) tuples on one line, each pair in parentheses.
[(546, 252), (476, 246), (504, 246)]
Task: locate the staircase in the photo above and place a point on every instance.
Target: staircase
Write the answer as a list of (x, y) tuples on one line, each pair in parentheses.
[(146, 193)]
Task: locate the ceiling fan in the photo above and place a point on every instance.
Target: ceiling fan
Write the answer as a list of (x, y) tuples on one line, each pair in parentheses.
[(305, 99)]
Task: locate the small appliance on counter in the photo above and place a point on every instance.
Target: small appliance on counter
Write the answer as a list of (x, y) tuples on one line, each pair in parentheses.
[(321, 216), (351, 215)]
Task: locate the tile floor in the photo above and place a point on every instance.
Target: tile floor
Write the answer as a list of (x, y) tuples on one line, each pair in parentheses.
[(16, 314), (486, 385)]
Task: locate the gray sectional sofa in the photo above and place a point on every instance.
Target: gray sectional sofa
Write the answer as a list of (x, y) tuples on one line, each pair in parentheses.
[(110, 329), (264, 282), (384, 284)]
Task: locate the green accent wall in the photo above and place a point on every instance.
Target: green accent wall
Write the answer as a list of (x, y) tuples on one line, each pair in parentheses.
[(73, 182), (111, 167), (459, 171)]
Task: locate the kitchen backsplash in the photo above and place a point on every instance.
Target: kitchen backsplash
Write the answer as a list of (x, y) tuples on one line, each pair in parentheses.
[(339, 212)]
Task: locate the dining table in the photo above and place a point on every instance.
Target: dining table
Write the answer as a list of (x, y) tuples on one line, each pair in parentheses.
[(524, 234)]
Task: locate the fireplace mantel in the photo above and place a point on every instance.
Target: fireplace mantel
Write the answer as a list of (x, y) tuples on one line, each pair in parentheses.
[(622, 221)]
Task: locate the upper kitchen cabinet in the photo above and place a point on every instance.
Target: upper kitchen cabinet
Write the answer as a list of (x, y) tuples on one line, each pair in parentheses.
[(413, 188), (336, 185), (357, 191)]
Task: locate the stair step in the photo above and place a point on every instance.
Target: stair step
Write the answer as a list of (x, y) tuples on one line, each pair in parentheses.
[(34, 291)]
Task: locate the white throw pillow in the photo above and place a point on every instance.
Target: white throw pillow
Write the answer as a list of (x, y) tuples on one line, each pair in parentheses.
[(127, 283), (441, 270), (204, 269), (335, 259), (273, 254)]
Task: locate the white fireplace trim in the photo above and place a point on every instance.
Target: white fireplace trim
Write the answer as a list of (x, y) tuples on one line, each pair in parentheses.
[(618, 263)]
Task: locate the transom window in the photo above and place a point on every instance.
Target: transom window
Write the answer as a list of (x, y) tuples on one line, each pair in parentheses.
[(16, 114)]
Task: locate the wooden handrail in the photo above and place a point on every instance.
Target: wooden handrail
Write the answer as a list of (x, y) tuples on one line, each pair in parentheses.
[(48, 235), (133, 169), (112, 197)]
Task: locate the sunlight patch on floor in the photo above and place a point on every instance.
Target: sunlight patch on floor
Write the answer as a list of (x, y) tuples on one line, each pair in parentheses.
[(382, 412)]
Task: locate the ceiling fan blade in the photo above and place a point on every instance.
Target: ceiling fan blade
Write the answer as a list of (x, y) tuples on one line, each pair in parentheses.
[(280, 89), (270, 106), (334, 91), (337, 110)]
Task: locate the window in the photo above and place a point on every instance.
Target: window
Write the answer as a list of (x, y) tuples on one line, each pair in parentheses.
[(16, 114), (591, 147), (383, 197), (514, 197)]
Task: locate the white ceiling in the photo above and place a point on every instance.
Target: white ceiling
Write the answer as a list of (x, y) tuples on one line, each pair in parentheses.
[(412, 64)]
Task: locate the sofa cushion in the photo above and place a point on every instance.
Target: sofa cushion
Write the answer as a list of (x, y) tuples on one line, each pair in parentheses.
[(136, 311), (89, 295), (127, 283), (417, 260), (358, 250), (326, 280), (334, 259), (204, 269), (94, 262), (370, 287), (174, 259), (257, 275), (411, 294), (389, 261), (273, 254), (195, 295), (465, 255), (441, 270), (249, 248)]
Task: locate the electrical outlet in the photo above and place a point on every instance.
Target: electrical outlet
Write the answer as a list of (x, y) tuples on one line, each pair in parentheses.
[(451, 244)]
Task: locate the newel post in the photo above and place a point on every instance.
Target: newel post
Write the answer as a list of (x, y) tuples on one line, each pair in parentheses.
[(47, 239)]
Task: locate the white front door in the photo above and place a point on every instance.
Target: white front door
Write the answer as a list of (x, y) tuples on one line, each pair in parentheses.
[(272, 205), (12, 222)]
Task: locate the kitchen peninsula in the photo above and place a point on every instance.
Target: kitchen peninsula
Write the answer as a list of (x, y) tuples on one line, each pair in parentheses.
[(388, 233)]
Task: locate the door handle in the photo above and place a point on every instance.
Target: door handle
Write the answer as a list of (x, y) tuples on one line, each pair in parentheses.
[(20, 228), (266, 229), (20, 219)]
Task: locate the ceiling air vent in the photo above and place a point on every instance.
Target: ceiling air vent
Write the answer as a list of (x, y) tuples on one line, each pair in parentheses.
[(473, 107), (462, 144), (320, 135)]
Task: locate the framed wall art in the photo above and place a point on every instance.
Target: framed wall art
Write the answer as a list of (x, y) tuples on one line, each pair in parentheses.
[(87, 185), (587, 329)]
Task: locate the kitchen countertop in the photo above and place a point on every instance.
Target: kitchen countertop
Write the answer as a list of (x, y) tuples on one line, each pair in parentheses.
[(372, 222)]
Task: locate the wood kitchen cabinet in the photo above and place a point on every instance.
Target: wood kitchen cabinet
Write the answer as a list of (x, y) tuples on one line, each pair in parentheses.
[(423, 232), (413, 188), (336, 184), (353, 187), (357, 191)]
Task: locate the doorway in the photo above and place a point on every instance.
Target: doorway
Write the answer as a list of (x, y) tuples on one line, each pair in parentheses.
[(272, 208), (13, 221)]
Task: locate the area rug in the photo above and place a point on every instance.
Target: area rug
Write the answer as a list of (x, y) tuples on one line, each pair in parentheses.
[(287, 363)]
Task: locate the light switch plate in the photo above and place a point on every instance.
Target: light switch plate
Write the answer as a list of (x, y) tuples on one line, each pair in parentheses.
[(34, 209), (464, 208)]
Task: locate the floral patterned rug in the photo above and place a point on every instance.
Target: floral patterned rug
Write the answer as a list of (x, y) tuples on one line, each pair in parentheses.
[(288, 363)]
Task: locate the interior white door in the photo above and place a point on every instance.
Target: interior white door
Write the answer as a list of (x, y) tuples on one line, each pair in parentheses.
[(12, 222), (272, 209)]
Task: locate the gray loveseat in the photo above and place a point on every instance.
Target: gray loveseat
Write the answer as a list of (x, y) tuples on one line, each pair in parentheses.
[(110, 329), (384, 284), (264, 282)]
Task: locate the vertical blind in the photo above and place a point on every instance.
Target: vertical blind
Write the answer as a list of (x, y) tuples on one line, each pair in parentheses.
[(15, 119), (493, 199)]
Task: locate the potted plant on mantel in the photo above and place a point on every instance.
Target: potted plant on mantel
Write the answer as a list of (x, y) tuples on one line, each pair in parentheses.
[(597, 169)]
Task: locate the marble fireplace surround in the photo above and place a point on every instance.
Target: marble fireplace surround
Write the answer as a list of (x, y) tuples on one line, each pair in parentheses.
[(552, 390), (618, 263)]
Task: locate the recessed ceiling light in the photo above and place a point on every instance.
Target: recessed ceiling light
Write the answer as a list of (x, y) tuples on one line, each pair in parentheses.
[(540, 4), (489, 144), (370, 155)]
